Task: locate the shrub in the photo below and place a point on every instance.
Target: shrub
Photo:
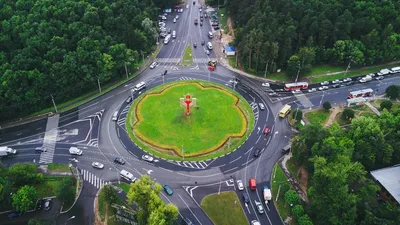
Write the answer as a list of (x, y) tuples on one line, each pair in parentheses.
[(292, 198), (386, 104), (298, 211), (348, 114), (297, 114), (327, 105)]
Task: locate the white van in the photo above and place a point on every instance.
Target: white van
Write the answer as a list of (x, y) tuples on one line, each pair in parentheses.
[(209, 45), (127, 176), (115, 116), (210, 34), (173, 34), (140, 86)]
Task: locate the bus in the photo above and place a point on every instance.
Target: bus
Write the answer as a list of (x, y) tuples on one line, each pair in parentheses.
[(296, 86), (360, 93), (284, 111)]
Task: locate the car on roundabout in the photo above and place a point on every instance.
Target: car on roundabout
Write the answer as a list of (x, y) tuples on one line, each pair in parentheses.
[(147, 158), (168, 190), (98, 165), (240, 185), (261, 106), (119, 161), (257, 152)]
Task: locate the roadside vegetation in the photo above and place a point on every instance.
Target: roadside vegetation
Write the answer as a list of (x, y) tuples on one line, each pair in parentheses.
[(279, 186), (319, 116), (54, 167), (224, 208), (187, 56)]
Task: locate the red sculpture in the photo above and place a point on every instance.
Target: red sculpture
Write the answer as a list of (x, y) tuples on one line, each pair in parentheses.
[(188, 100)]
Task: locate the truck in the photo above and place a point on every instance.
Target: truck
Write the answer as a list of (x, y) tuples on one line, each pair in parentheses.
[(267, 194), (365, 79), (75, 151), (6, 151)]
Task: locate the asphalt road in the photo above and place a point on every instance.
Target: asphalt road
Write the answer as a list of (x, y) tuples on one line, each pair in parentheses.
[(90, 127)]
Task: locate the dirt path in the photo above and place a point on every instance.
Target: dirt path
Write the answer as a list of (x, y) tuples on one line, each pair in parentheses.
[(332, 116)]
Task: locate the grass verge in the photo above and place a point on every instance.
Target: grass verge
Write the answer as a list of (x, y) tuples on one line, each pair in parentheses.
[(323, 69), (124, 187), (318, 117), (280, 185), (232, 61), (47, 188), (222, 19), (187, 56), (352, 73), (224, 209), (54, 167)]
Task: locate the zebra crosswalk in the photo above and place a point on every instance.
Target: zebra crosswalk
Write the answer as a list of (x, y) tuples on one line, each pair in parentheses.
[(93, 179), (187, 78), (122, 116), (194, 165), (304, 100), (50, 138), (203, 60), (177, 60)]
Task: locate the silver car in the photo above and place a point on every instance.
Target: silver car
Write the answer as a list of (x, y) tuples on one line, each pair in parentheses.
[(147, 158), (312, 90), (262, 107), (153, 65), (98, 165), (240, 185), (323, 88), (259, 207)]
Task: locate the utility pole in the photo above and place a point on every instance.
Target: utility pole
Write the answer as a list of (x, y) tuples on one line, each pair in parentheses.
[(298, 72), (141, 52), (52, 99), (126, 72), (348, 67), (98, 82), (237, 53), (266, 68)]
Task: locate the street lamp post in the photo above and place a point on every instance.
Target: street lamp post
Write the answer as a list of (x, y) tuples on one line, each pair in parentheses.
[(52, 99), (266, 68), (98, 82), (72, 217), (348, 67)]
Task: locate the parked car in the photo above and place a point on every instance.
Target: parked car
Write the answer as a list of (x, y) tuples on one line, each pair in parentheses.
[(168, 190), (312, 90), (324, 83), (98, 165), (335, 85), (349, 83), (14, 214), (379, 78), (47, 204), (323, 88), (153, 65), (240, 185), (147, 158), (119, 161), (39, 204), (265, 84), (347, 79), (337, 81), (262, 107)]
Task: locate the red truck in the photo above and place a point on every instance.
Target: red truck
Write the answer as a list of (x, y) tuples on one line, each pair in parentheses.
[(195, 21)]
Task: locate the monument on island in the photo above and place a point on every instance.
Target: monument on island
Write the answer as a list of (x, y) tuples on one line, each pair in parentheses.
[(188, 102)]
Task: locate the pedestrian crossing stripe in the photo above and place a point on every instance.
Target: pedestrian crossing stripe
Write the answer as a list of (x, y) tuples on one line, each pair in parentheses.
[(187, 78), (93, 179), (177, 60), (304, 100), (195, 165)]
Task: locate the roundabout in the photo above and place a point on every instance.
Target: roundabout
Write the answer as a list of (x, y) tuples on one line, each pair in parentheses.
[(215, 121)]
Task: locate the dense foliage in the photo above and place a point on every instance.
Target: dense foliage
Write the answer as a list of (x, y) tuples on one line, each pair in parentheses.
[(63, 48), (338, 161), (286, 33)]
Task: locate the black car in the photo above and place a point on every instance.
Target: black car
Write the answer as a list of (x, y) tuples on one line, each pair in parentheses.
[(201, 15), (245, 197), (349, 83), (257, 152), (203, 42), (14, 214), (39, 204), (336, 85), (217, 28), (165, 72), (194, 45), (129, 100), (119, 161), (201, 23)]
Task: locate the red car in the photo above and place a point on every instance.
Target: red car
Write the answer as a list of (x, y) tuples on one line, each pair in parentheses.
[(211, 68), (252, 184), (266, 131), (195, 21)]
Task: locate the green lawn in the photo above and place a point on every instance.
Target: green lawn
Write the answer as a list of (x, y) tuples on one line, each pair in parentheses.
[(187, 56), (232, 61), (279, 179), (278, 76), (224, 209), (351, 73), (204, 129), (58, 167), (47, 188), (124, 186), (318, 117), (323, 69)]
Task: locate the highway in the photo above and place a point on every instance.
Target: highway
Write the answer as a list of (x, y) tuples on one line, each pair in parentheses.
[(91, 128)]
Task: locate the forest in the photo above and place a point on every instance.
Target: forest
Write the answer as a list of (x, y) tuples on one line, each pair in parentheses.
[(64, 48), (292, 34), (340, 189)]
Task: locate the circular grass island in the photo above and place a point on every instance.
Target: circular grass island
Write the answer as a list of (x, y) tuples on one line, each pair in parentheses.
[(219, 122)]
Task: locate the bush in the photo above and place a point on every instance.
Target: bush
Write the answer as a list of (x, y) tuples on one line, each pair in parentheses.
[(304, 220), (297, 114), (25, 173), (393, 92), (348, 114), (386, 104), (327, 105), (110, 194), (65, 191), (292, 198), (298, 211)]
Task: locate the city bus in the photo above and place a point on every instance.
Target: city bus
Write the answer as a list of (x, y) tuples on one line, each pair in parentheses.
[(296, 86), (284, 111), (360, 93)]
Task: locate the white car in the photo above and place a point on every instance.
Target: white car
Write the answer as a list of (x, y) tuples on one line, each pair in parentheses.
[(379, 78), (312, 90), (174, 20), (265, 84), (41, 149), (153, 65), (207, 52), (98, 165), (177, 17), (255, 222), (259, 207), (347, 79), (324, 83), (323, 88), (240, 185), (262, 107), (337, 81), (147, 158)]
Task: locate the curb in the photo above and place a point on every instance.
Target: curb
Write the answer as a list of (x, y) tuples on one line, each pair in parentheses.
[(77, 197)]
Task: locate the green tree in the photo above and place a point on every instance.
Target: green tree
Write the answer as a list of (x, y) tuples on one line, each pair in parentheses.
[(298, 211), (304, 220), (393, 92), (65, 191), (348, 114), (327, 105), (292, 198), (25, 199), (151, 209), (109, 194), (297, 114), (293, 66), (386, 104), (5, 190), (23, 173)]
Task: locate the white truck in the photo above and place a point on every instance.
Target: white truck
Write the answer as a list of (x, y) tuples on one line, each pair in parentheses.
[(6, 151), (365, 79), (267, 194), (75, 151)]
